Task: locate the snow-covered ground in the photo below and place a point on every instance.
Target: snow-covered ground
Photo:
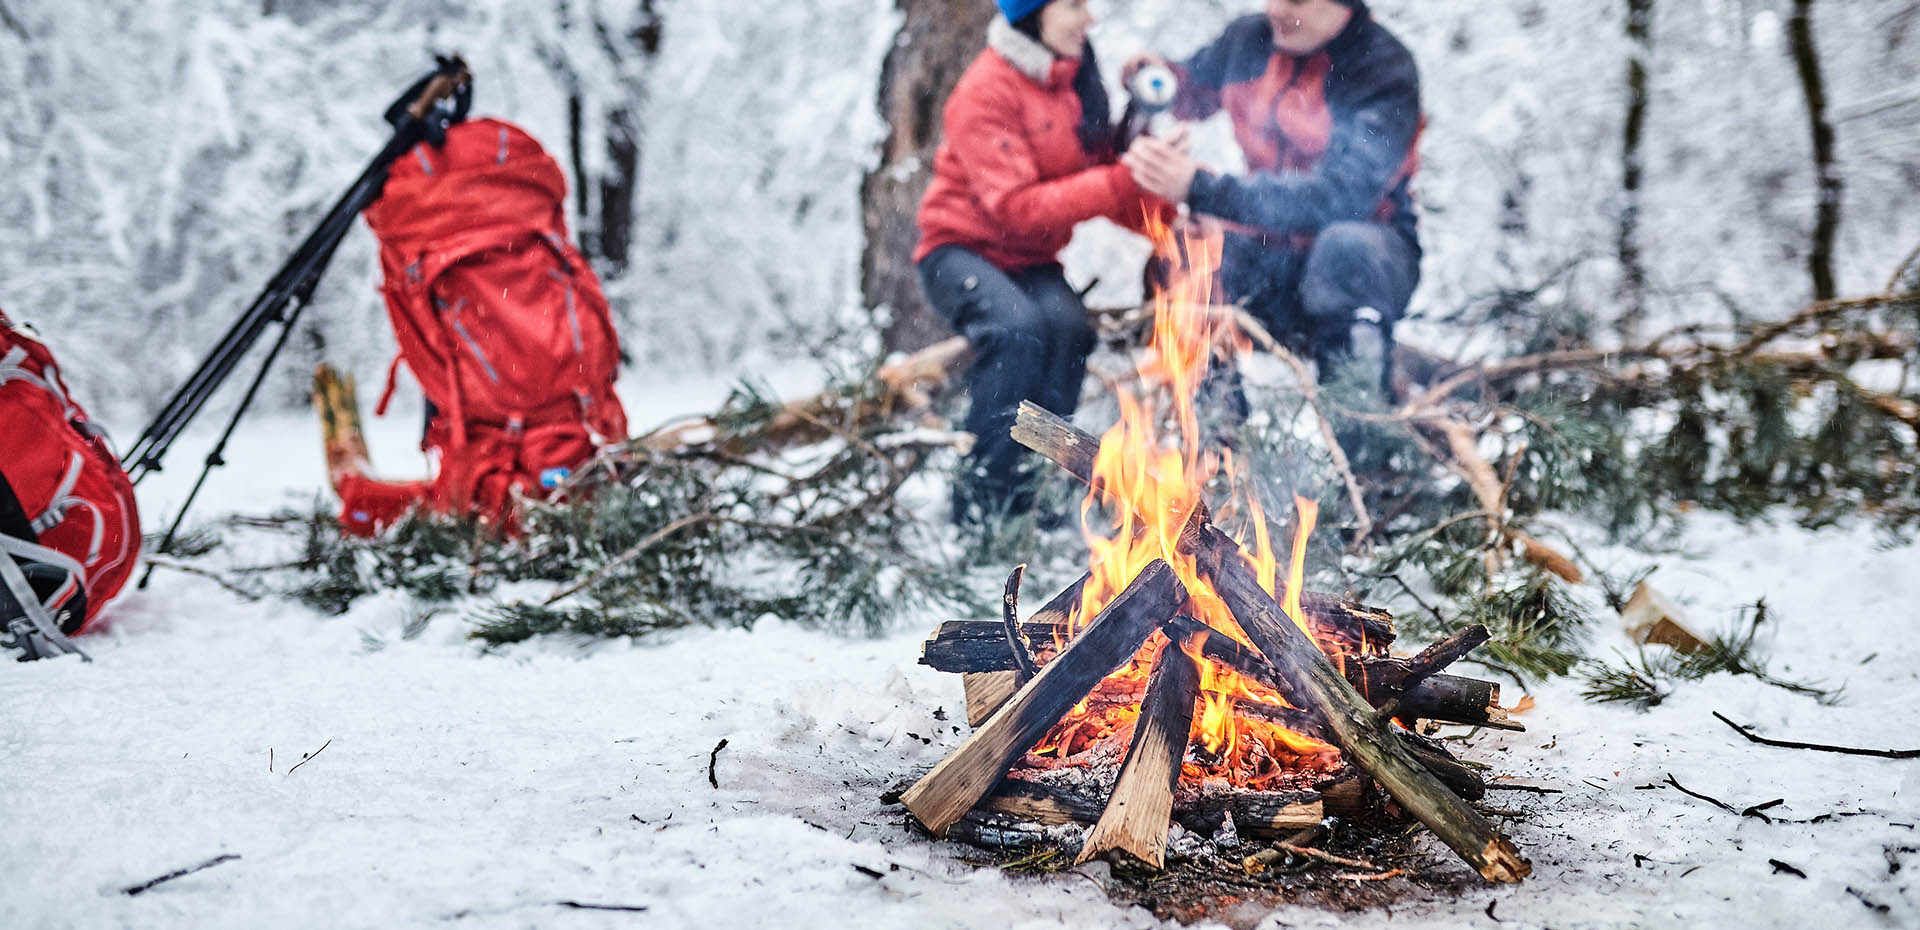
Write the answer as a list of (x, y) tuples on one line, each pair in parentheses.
[(474, 789)]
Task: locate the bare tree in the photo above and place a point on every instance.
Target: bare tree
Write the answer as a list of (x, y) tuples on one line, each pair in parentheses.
[(937, 39), (1806, 59), (1633, 273)]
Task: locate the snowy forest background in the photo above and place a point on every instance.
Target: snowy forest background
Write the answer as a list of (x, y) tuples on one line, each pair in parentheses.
[(164, 157)]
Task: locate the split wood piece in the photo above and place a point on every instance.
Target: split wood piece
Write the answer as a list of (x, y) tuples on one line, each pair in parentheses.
[(1138, 811), (1316, 686), (1651, 618), (985, 692), (1262, 814), (962, 778), (974, 648), (1073, 449)]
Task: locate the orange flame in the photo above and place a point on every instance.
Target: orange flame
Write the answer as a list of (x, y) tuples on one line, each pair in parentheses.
[(1149, 477)]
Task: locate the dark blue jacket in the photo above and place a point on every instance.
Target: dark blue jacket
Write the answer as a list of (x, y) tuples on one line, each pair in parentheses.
[(1328, 137)]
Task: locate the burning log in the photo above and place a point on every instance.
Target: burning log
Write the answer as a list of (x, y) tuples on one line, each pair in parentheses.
[(1313, 683), (962, 778), (1136, 816), (1310, 680), (1063, 444), (977, 650)]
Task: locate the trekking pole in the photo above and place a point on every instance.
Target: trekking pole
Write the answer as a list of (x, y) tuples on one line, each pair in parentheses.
[(417, 115)]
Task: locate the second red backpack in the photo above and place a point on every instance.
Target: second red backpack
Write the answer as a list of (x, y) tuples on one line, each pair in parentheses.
[(500, 319)]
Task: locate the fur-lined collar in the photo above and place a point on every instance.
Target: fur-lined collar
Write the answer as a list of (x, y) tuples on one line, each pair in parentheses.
[(1025, 53)]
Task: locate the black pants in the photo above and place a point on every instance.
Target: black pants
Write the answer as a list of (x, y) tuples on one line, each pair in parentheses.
[(1308, 298), (1030, 336)]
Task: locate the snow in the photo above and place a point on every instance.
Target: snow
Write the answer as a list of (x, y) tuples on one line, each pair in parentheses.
[(162, 158), (486, 787)]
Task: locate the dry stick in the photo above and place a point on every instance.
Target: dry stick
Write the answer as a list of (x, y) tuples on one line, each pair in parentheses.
[(310, 757), (1323, 856), (1820, 747), (965, 776), (1311, 391), (133, 890), (713, 761), (1135, 819), (633, 552)]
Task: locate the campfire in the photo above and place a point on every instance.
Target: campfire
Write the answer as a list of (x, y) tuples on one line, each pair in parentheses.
[(1182, 669)]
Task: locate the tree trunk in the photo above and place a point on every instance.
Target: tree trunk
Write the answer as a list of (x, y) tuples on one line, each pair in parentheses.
[(1806, 60), (605, 202), (1633, 273), (936, 42)]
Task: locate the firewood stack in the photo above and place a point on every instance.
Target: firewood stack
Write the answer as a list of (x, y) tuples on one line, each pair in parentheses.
[(1339, 684)]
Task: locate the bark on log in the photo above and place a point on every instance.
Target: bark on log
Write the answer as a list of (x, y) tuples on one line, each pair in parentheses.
[(1315, 685), (1137, 813), (963, 777)]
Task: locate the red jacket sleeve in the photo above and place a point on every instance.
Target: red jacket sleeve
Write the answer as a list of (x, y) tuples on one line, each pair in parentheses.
[(999, 165)]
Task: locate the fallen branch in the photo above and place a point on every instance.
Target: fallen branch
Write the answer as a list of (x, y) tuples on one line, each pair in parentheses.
[(1818, 747), (141, 888)]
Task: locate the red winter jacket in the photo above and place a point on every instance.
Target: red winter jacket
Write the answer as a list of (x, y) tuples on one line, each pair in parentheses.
[(1011, 179)]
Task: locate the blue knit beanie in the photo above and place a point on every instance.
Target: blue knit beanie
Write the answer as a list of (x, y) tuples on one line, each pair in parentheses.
[(1017, 10)]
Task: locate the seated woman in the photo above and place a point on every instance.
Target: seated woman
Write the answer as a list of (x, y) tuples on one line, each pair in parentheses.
[(1028, 153)]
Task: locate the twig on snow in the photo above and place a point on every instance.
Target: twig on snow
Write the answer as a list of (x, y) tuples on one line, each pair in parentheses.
[(133, 890), (581, 906), (713, 759), (1821, 747), (309, 757), (1753, 811)]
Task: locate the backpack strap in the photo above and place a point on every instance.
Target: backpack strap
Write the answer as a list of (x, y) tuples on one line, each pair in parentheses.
[(13, 517)]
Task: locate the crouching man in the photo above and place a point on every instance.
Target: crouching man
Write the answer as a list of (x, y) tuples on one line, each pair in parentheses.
[(1321, 243)]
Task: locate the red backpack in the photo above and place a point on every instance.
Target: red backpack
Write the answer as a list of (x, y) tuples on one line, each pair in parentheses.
[(499, 318), (67, 514)]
